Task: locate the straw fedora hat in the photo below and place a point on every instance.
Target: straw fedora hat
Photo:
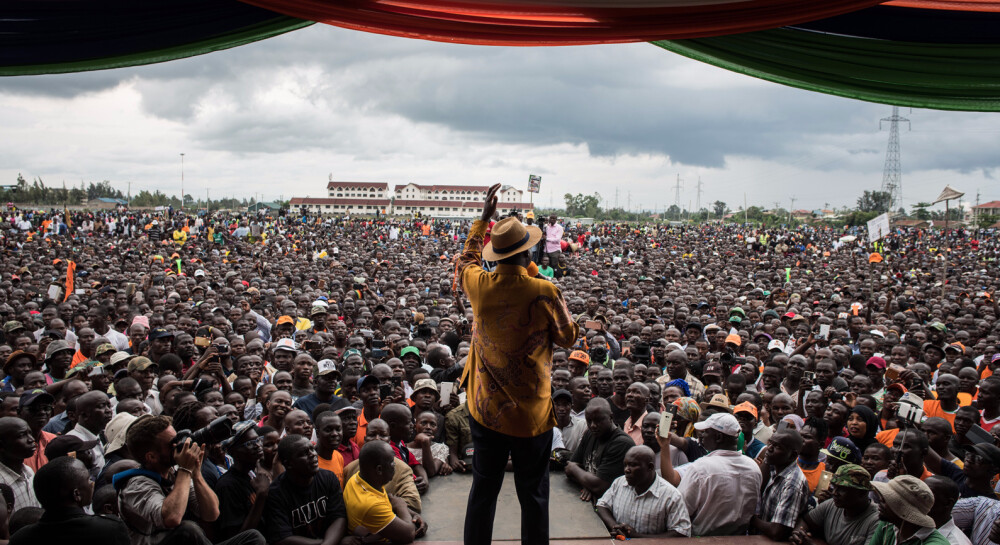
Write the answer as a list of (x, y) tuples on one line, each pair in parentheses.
[(510, 237)]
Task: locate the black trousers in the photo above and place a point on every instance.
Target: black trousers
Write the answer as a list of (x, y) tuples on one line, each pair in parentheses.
[(530, 457)]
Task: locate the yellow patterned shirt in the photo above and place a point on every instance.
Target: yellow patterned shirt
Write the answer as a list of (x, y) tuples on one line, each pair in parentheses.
[(517, 320)]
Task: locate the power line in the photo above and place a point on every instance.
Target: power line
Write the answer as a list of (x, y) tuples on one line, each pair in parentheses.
[(677, 195), (892, 175)]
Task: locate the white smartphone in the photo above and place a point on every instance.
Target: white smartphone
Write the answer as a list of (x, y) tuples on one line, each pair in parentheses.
[(824, 332), (446, 393), (667, 419)]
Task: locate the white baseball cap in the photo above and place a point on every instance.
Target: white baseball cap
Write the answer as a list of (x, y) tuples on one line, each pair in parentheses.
[(775, 345), (326, 366), (285, 344), (720, 422)]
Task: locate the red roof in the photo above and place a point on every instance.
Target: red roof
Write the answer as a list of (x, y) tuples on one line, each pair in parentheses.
[(991, 204), (351, 202), (357, 185)]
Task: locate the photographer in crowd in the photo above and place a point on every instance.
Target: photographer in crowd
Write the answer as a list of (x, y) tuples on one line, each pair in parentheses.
[(161, 500)]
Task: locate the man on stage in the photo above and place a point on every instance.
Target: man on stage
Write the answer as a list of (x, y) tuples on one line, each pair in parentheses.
[(517, 320)]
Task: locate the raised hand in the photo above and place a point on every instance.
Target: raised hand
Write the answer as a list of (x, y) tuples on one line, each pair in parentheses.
[(490, 206)]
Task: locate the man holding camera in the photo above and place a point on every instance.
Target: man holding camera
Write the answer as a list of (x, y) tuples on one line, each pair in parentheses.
[(158, 500)]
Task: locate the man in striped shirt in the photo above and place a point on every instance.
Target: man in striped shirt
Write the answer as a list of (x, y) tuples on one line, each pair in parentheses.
[(641, 503), (978, 517)]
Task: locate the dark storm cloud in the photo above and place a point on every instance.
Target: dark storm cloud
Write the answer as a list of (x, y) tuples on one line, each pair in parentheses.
[(616, 100)]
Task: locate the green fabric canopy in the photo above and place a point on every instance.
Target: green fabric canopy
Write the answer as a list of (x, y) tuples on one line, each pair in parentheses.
[(269, 28), (938, 76)]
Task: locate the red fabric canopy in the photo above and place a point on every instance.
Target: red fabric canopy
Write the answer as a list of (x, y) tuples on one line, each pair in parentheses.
[(953, 5), (560, 22)]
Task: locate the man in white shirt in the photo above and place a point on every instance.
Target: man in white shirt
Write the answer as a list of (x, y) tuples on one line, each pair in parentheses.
[(97, 316), (641, 503), (17, 444), (945, 495), (553, 238), (720, 489), (93, 412), (570, 427)]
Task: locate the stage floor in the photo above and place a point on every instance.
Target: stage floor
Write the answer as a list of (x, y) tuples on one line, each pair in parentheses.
[(571, 521), (569, 518)]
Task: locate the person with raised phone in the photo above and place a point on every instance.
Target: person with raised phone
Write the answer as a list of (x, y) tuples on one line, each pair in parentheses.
[(517, 319)]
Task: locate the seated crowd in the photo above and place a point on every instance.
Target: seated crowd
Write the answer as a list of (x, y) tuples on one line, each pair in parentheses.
[(276, 396)]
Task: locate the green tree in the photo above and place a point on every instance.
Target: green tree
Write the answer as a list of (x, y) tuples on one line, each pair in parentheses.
[(719, 207), (920, 211), (874, 201), (987, 220), (581, 205)]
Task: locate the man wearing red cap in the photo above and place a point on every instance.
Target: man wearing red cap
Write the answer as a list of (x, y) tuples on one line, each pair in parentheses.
[(507, 376)]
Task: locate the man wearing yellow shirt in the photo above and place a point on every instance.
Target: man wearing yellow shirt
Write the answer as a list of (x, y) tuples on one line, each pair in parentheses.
[(517, 320), (370, 510)]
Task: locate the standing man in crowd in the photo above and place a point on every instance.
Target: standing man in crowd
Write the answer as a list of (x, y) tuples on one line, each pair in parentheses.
[(720, 489), (517, 319), (553, 240)]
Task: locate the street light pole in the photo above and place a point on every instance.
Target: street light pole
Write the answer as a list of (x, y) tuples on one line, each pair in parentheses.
[(182, 181)]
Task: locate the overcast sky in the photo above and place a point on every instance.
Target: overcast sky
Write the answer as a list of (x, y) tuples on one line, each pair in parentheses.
[(280, 116)]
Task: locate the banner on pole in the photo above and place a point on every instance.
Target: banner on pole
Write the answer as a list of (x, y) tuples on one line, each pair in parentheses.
[(534, 183), (878, 227)]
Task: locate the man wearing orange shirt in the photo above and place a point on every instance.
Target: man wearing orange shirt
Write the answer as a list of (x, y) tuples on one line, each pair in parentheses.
[(947, 399), (371, 406), (989, 402), (329, 434), (517, 319), (35, 408)]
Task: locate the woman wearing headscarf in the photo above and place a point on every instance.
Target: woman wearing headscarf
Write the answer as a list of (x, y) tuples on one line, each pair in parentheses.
[(862, 425), (672, 391), (682, 429)]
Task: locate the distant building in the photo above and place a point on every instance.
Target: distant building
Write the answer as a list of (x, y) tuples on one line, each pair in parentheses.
[(461, 201), (361, 190), (991, 208), (266, 206), (451, 201), (914, 224), (340, 206)]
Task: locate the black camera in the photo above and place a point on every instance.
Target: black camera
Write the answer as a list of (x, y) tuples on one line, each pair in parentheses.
[(731, 360), (598, 354), (214, 433)]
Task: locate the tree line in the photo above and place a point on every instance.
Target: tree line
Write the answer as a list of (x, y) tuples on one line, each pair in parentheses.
[(37, 193)]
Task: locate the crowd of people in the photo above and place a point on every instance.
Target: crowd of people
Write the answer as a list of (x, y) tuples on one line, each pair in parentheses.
[(293, 379)]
